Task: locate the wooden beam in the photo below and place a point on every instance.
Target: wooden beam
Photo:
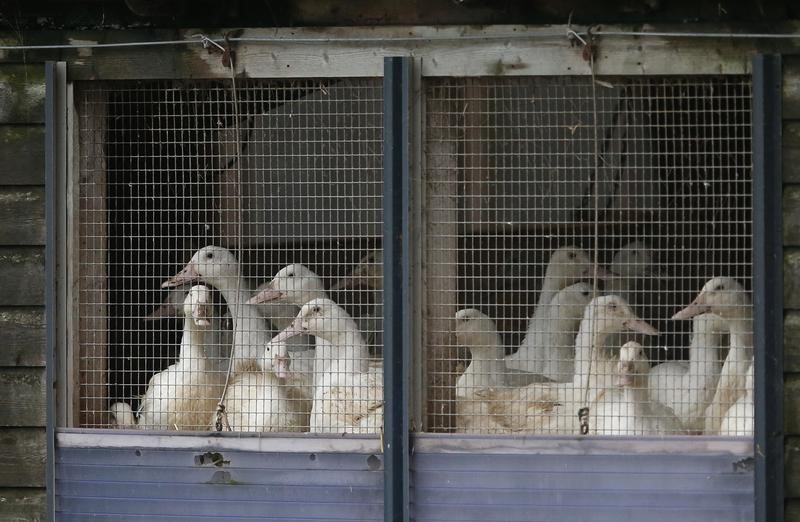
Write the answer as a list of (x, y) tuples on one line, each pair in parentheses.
[(23, 503), (23, 453), (440, 266), (22, 93), (791, 151), (22, 402), (22, 277), (93, 310), (22, 216), (23, 335), (22, 150), (791, 279)]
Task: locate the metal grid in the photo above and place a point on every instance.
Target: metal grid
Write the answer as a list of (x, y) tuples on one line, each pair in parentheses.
[(538, 187), (172, 193)]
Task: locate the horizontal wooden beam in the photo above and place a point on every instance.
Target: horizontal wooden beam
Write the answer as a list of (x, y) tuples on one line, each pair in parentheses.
[(22, 150), (22, 93), (791, 150), (22, 402), (22, 216), (500, 50), (23, 454), (22, 276), (23, 503)]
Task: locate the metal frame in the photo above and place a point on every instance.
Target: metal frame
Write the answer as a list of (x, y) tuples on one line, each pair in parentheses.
[(768, 287), (397, 275)]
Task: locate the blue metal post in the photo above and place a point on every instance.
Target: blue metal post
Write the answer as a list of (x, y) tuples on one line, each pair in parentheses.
[(396, 353), (50, 147), (768, 287)]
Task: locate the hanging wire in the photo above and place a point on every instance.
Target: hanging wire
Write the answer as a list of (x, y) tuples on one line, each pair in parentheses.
[(221, 417), (517, 35)]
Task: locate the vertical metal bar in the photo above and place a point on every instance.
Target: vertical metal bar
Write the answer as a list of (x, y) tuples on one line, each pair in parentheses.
[(768, 288), (396, 243), (50, 148)]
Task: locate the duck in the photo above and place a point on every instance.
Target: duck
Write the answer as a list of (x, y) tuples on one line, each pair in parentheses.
[(687, 387), (726, 298), (738, 420), (629, 269), (218, 348), (478, 333), (218, 267), (548, 347), (296, 284), (630, 411), (552, 407), (182, 396), (348, 397), (260, 401), (567, 265)]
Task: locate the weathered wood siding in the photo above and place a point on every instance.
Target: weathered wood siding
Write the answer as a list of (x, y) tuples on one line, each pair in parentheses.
[(791, 271), (22, 236)]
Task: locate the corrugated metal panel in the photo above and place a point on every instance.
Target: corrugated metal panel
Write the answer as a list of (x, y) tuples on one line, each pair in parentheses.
[(135, 483), (602, 484)]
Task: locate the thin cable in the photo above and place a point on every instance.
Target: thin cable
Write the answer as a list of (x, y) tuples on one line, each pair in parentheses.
[(221, 415), (583, 413), (521, 35)]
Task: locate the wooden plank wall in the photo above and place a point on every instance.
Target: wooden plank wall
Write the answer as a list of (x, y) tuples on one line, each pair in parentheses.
[(791, 274), (22, 236)]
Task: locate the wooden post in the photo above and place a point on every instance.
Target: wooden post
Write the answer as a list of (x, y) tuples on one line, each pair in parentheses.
[(93, 316), (441, 266)]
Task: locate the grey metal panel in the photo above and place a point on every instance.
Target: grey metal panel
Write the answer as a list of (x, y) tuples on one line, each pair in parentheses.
[(585, 488), (123, 484)]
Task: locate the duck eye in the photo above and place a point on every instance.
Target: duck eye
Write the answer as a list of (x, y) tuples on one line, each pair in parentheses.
[(586, 293), (719, 287), (209, 255), (290, 274), (613, 306), (571, 255), (315, 309)]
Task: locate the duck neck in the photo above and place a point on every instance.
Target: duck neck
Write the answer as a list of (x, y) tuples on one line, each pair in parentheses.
[(236, 292), (741, 336), (587, 353), (193, 353), (550, 287), (703, 351), (348, 351), (487, 365)]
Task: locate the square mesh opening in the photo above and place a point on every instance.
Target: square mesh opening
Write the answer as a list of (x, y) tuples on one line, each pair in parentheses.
[(547, 195)]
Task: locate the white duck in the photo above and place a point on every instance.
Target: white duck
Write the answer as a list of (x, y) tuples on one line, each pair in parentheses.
[(258, 401), (478, 333), (687, 387), (629, 268), (567, 266), (295, 285), (553, 407), (726, 298), (548, 348), (629, 411), (218, 267), (218, 348), (349, 396), (182, 396), (738, 420)]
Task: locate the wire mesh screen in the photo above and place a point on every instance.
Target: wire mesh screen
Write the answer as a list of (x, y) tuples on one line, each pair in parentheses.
[(230, 261), (589, 256)]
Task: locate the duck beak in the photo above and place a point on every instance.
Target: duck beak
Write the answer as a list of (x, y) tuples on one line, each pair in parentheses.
[(266, 295), (696, 307), (350, 281), (187, 275), (624, 379), (293, 330), (280, 358), (637, 325), (200, 314)]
